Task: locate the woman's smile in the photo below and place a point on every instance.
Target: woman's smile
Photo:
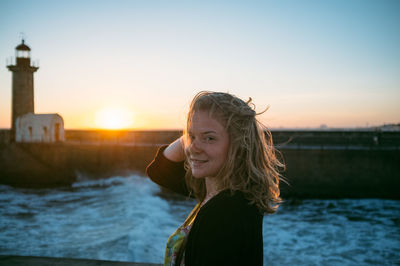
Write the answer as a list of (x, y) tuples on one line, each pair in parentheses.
[(197, 163)]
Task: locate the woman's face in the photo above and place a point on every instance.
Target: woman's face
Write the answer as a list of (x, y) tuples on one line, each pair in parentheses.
[(207, 146)]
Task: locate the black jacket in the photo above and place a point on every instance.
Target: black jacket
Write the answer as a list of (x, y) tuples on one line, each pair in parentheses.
[(227, 230)]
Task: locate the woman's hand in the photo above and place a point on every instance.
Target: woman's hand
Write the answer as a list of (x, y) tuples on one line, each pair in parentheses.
[(175, 151)]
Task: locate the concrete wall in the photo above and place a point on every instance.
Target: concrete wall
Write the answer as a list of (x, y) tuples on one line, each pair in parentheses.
[(5, 135), (122, 136), (311, 172), (36, 165), (317, 173)]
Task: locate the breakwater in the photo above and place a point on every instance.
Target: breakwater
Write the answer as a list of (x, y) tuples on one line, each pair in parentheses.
[(319, 164)]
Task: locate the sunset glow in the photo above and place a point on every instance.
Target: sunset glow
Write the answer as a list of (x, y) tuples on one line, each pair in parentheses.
[(112, 118)]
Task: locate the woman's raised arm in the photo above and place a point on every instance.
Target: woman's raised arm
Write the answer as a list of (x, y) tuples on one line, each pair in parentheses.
[(167, 168)]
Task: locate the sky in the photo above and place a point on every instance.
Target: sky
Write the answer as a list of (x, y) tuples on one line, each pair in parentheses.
[(313, 63)]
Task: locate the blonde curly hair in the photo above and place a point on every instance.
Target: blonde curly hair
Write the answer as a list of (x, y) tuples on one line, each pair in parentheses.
[(252, 166)]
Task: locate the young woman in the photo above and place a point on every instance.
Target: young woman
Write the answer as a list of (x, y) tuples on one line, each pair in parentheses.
[(226, 160)]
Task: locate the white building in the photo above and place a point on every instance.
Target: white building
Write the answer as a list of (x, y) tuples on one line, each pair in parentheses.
[(39, 128)]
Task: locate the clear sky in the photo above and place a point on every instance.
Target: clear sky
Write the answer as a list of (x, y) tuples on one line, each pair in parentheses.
[(333, 62)]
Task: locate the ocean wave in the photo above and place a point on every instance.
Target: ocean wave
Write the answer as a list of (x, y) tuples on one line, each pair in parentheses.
[(130, 219)]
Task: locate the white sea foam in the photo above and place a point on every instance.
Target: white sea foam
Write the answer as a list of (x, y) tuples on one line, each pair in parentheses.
[(130, 219)]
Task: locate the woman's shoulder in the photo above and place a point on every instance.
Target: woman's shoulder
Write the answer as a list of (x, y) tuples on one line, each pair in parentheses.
[(231, 203)]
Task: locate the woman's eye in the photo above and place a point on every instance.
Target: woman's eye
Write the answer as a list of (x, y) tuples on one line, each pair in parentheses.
[(208, 139)]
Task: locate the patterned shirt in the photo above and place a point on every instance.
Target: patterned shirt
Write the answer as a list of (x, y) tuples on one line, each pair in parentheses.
[(176, 242)]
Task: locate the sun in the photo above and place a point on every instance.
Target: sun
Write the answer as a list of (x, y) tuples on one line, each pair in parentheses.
[(114, 118)]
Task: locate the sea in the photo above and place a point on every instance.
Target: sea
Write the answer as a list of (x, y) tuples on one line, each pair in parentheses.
[(130, 219)]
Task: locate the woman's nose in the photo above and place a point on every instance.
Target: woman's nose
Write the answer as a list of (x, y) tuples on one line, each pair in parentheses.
[(194, 146)]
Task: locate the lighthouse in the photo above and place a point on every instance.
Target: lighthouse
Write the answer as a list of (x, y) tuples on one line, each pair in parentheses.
[(22, 85), (26, 126)]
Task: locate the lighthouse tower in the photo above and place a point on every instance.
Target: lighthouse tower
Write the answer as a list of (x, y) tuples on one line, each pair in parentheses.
[(22, 85)]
